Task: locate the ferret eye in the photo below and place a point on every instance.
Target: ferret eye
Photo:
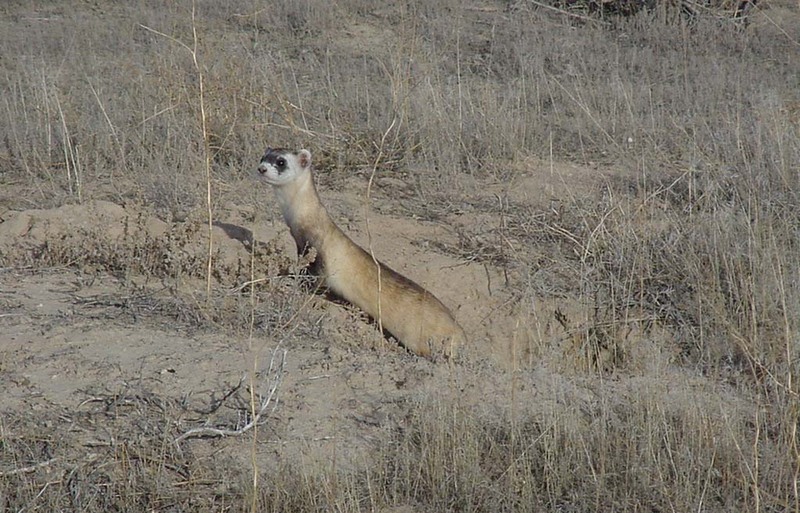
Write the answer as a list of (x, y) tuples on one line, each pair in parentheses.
[(280, 162)]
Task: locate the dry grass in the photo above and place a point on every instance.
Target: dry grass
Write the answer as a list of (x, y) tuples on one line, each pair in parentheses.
[(692, 250)]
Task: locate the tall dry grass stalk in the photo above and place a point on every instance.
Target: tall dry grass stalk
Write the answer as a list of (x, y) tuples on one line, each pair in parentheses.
[(375, 164), (207, 156), (253, 373)]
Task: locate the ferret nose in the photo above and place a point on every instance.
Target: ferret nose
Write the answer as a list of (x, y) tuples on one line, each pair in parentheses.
[(262, 168)]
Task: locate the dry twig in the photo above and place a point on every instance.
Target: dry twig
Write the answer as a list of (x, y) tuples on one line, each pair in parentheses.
[(267, 404), (29, 468)]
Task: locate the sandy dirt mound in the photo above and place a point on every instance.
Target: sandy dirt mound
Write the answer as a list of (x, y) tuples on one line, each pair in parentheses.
[(76, 336), (100, 235), (81, 335)]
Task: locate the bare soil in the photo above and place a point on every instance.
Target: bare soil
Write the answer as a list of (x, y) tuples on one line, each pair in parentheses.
[(73, 335)]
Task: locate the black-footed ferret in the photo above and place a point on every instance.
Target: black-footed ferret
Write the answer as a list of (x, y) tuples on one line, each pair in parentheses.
[(410, 313)]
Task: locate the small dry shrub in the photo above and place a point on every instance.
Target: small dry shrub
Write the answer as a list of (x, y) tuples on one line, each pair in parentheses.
[(64, 462), (634, 447)]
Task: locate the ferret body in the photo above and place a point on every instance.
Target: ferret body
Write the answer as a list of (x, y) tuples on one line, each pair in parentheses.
[(414, 316)]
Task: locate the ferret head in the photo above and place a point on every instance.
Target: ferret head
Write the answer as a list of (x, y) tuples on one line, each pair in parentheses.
[(280, 166)]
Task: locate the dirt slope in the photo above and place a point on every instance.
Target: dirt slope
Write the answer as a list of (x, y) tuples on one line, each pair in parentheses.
[(75, 335)]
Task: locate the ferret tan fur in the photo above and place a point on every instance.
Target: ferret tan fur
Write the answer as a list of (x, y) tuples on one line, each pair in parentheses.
[(414, 316)]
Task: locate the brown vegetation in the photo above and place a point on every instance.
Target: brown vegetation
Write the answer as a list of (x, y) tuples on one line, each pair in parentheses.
[(613, 206)]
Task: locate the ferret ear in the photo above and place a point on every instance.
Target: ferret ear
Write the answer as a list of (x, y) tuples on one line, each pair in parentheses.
[(304, 157)]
